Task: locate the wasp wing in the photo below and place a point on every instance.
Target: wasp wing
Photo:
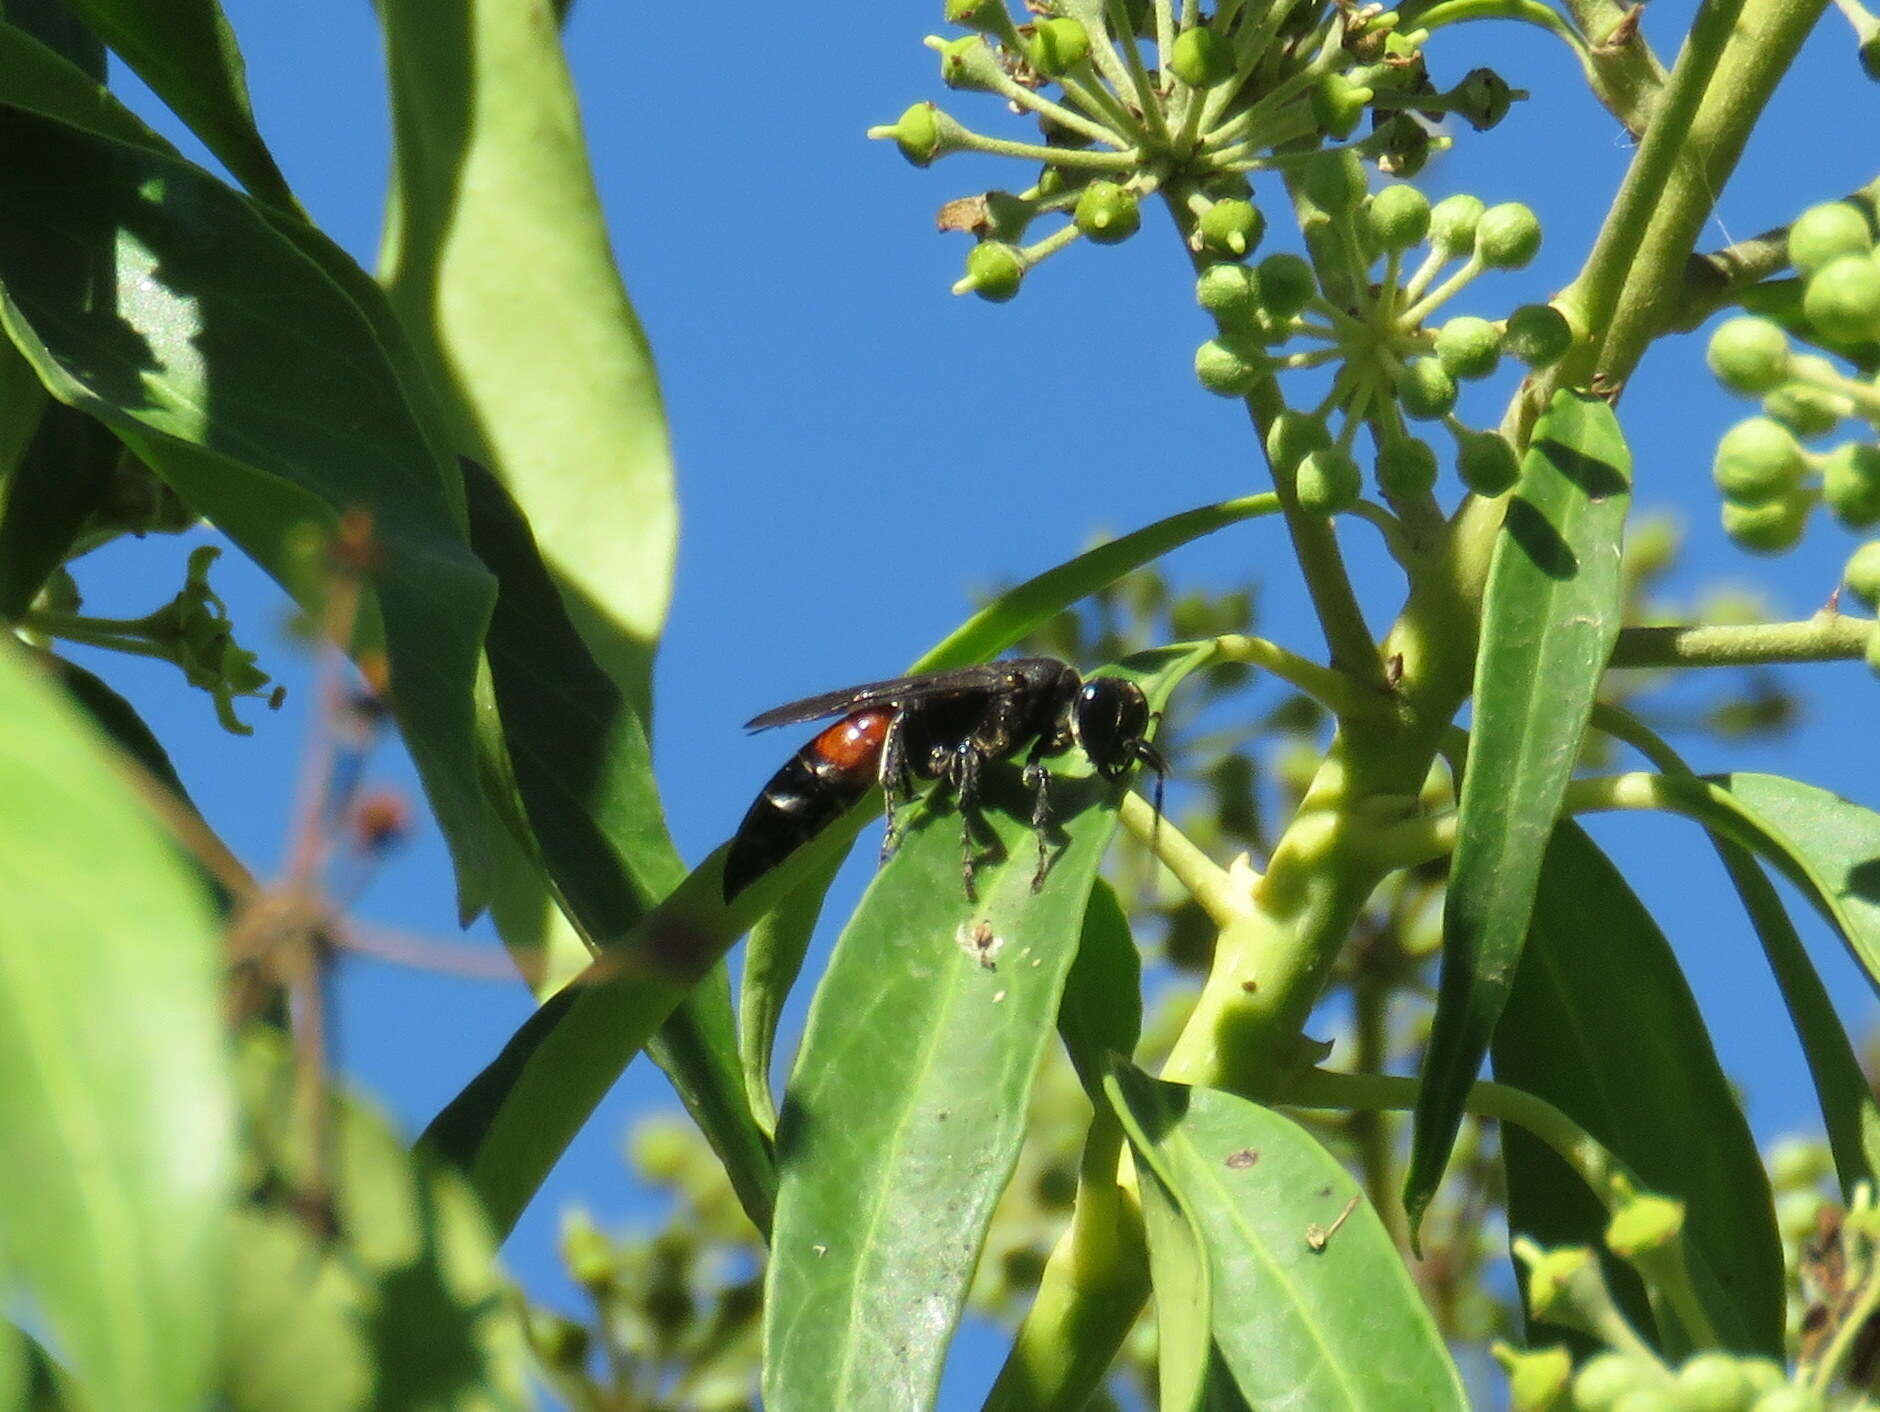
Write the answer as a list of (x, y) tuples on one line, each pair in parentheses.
[(898, 691)]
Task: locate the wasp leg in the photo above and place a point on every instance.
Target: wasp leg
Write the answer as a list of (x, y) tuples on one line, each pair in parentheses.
[(963, 775), (896, 787), (1039, 779)]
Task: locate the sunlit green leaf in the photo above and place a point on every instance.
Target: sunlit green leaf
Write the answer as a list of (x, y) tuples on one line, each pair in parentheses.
[(1309, 1303), (115, 1109), (1550, 615)]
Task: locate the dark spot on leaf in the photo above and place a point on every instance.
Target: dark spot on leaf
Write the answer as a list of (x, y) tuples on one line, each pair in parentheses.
[(1243, 1159)]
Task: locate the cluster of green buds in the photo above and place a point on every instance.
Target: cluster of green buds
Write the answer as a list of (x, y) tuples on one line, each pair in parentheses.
[(1258, 84), (1567, 1288), (1770, 481), (1393, 366)]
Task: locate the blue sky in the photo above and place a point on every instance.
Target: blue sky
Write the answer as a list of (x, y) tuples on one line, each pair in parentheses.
[(859, 452)]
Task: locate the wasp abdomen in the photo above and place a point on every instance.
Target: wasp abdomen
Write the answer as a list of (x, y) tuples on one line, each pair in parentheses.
[(815, 785)]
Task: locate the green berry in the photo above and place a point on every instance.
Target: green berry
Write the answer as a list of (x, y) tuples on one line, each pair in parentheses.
[(1758, 461), (1406, 468), (919, 134), (1872, 653), (1749, 355), (1769, 527), (1869, 55), (1231, 228), (1762, 1373), (560, 1343), (1398, 217), (1862, 574), (1338, 104), (1328, 482), (1842, 299), (1426, 390), (1487, 463), (1201, 58), (1645, 1223), (1107, 213), (1508, 236), (1483, 98), (977, 14), (1799, 1164), (994, 270), (1334, 182), (1228, 367), (1788, 1399), (663, 1150), (1231, 293), (1824, 233), (1537, 1381), (965, 62), (1538, 334), (1606, 1377), (1468, 347), (1712, 1382), (1850, 483), (1058, 45), (1807, 411), (1292, 437), (1647, 1399), (1453, 222), (1402, 145), (592, 1261), (1286, 285)]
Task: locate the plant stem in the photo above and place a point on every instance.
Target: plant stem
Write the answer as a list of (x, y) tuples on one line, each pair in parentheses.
[(1200, 876), (1826, 637)]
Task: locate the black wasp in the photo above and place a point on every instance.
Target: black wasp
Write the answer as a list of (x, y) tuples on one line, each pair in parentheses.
[(944, 726)]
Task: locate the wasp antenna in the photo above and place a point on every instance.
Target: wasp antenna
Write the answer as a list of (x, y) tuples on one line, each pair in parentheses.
[(1152, 757)]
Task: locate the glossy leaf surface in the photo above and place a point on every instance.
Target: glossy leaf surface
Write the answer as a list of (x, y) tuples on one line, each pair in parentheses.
[(1550, 615)]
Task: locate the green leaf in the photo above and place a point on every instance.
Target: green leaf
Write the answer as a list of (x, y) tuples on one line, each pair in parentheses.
[(498, 261), (573, 747), (514, 1119), (1848, 1110), (1601, 1024), (913, 1079), (1101, 1014), (403, 1305), (47, 499), (773, 957), (115, 1109), (119, 722), (35, 73), (1310, 1304), (52, 23), (1180, 1270), (186, 52), (12, 1360), (1550, 616), (238, 369)]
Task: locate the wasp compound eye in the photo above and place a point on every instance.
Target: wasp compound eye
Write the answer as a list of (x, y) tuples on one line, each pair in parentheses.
[(1111, 717)]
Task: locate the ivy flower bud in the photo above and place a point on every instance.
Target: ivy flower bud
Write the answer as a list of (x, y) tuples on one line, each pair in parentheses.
[(1334, 182), (1606, 1377), (1231, 293), (1483, 98), (1328, 482), (1862, 574), (1538, 334), (1712, 1381), (966, 62), (1842, 299), (1826, 232), (1402, 145), (1468, 347), (1850, 483), (1809, 412), (994, 270), (986, 15), (1426, 390), (1398, 217), (1749, 355), (1338, 104), (1757, 461), (1486, 463), (1537, 1381), (1646, 1223), (1768, 527), (1201, 58), (1286, 285), (1229, 366), (1508, 236), (1231, 229), (1406, 468), (1292, 437), (1058, 45), (1453, 221), (1107, 213), (922, 133)]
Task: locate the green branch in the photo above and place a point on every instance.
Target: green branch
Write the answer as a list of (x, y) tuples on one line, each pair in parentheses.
[(1826, 637)]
